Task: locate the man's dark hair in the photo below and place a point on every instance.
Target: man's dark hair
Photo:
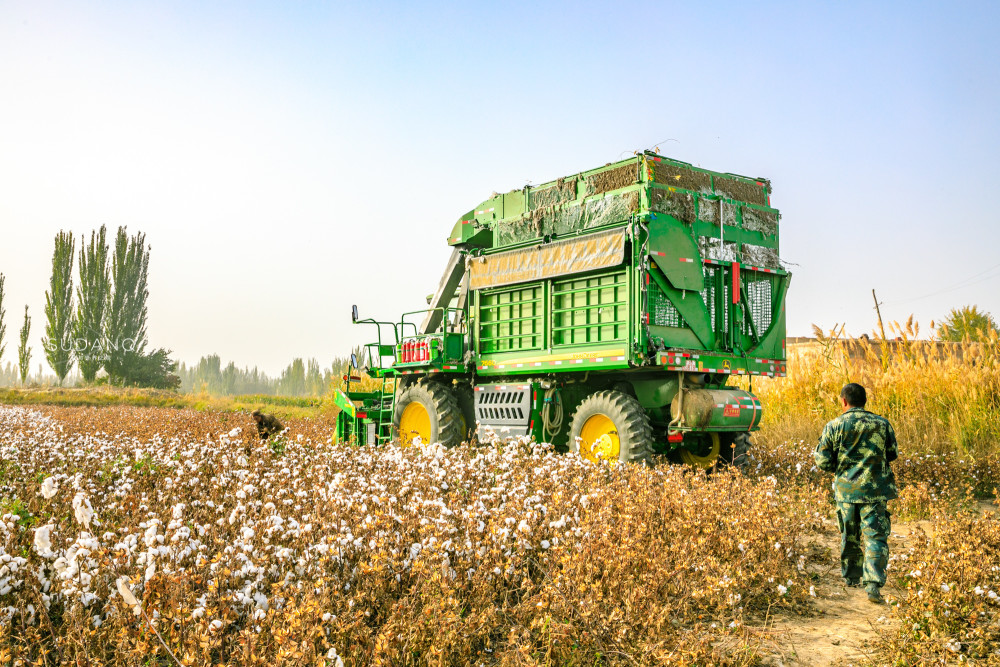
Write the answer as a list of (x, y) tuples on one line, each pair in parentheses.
[(855, 395)]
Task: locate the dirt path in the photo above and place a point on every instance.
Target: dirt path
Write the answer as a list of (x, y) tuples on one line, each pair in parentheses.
[(845, 621), (846, 624)]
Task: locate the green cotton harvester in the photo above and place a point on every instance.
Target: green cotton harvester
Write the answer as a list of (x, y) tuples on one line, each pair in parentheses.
[(605, 312)]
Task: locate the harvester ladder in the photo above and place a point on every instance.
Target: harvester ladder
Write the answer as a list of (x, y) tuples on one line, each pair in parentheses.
[(383, 432)]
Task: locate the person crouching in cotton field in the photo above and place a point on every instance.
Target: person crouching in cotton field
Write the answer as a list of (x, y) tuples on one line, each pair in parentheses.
[(267, 425), (857, 447)]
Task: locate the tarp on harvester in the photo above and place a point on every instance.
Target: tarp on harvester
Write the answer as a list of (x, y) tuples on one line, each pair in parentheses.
[(559, 258)]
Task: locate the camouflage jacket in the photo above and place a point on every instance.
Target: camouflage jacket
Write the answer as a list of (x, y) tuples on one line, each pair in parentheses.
[(857, 447)]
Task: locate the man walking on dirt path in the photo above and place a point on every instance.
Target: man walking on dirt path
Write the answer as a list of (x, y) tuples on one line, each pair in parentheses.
[(857, 448)]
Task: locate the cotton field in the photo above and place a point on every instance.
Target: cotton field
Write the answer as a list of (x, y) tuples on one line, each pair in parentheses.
[(131, 533)]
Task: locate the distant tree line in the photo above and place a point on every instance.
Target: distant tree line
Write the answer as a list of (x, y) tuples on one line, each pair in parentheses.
[(300, 378)]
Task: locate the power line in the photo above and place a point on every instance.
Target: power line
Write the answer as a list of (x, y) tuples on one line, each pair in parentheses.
[(959, 285)]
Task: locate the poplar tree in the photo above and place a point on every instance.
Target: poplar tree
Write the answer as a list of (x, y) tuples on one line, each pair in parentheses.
[(58, 339), (23, 350), (125, 320), (92, 302), (3, 316)]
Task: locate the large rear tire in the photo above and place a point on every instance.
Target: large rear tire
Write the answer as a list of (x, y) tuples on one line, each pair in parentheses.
[(428, 410), (611, 425)]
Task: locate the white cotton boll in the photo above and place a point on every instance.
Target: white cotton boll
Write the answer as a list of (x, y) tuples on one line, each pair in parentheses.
[(82, 509), (198, 612), (235, 432), (545, 544), (782, 590), (524, 527), (150, 570), (43, 543), (945, 588), (178, 511), (215, 625), (332, 655), (49, 488)]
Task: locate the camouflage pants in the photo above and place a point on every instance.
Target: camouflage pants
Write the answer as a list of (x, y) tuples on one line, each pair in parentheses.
[(870, 521)]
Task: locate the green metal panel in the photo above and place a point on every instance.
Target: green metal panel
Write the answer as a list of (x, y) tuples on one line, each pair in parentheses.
[(676, 253), (513, 204), (342, 401), (510, 319), (690, 306), (590, 311)]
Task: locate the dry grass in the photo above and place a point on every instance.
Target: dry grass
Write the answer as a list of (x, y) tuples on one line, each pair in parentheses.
[(939, 397), (951, 610)]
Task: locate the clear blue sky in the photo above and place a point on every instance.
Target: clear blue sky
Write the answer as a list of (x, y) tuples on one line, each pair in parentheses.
[(286, 160)]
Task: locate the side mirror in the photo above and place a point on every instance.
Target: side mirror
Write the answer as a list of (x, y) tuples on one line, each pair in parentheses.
[(354, 360), (354, 313)]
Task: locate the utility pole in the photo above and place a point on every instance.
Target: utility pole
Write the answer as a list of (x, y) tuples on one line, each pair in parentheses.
[(884, 344), (879, 313)]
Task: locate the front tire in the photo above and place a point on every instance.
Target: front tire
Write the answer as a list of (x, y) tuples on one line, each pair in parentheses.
[(611, 425), (467, 404), (429, 411)]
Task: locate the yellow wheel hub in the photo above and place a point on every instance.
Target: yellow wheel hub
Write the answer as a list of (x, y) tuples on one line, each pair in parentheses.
[(706, 460), (413, 423), (599, 439)]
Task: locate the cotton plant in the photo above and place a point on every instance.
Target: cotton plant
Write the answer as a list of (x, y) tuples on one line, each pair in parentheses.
[(241, 541)]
